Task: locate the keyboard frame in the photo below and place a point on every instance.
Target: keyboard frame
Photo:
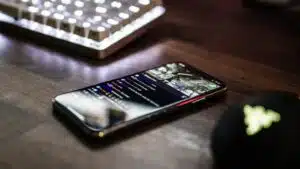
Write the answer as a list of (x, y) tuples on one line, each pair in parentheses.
[(113, 43)]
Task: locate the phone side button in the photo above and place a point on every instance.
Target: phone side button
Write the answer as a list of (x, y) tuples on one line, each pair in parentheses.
[(196, 101)]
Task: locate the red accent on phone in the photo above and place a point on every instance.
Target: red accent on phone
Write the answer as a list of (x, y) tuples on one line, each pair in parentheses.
[(190, 101)]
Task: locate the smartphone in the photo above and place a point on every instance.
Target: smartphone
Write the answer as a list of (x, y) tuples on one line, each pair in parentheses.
[(104, 108)]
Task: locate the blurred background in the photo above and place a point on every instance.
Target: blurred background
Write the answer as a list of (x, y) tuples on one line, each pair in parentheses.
[(266, 32)]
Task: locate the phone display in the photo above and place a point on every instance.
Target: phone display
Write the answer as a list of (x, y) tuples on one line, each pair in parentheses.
[(103, 106)]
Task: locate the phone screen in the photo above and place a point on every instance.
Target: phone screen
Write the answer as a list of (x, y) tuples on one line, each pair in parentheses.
[(110, 103)]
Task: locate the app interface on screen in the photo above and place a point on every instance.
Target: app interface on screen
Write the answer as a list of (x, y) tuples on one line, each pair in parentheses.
[(127, 98)]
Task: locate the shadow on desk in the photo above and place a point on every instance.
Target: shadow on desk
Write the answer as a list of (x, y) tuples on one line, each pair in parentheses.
[(135, 129)]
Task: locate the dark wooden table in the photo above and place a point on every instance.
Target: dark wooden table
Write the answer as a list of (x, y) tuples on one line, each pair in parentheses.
[(249, 51)]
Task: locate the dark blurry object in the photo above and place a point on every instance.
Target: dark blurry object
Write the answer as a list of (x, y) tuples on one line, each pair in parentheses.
[(116, 116), (261, 132), (250, 3), (254, 4), (260, 3), (287, 10), (108, 118)]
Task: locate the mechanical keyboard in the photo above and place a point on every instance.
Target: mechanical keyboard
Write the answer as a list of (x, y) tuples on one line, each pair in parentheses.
[(100, 26)]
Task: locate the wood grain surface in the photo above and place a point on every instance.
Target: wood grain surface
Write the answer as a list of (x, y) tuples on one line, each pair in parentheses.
[(250, 51)]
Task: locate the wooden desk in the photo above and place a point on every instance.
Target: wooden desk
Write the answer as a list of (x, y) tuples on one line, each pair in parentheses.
[(31, 75)]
